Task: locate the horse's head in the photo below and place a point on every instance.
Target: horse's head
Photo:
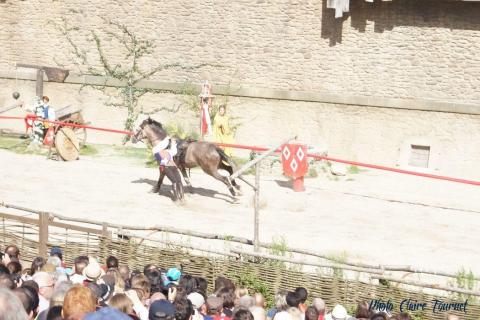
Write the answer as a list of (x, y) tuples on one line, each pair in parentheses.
[(138, 127), (155, 130)]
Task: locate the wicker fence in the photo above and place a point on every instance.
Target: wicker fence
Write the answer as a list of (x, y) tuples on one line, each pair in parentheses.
[(34, 237)]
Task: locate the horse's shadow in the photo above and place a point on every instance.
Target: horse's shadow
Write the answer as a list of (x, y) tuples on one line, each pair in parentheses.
[(166, 188)]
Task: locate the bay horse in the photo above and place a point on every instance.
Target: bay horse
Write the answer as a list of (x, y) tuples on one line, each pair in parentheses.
[(156, 136), (192, 153)]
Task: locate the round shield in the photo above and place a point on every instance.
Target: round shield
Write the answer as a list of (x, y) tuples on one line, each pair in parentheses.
[(66, 143)]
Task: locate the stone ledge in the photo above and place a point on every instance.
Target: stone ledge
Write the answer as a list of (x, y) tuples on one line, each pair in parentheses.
[(264, 93)]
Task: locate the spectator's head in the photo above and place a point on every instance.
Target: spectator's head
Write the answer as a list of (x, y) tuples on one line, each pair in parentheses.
[(80, 263), (188, 283), (406, 316), (29, 299), (11, 307), (319, 304), (281, 300), (246, 302), (55, 313), (7, 282), (121, 302), (12, 251), (150, 267), (379, 316), (293, 300), (93, 271), (112, 262), (141, 282), (107, 285), (311, 314), (243, 314), (32, 284), (37, 265), (302, 294), (259, 313), (228, 297), (119, 282), (14, 267), (183, 309), (154, 276), (260, 300), (295, 313), (451, 317), (363, 310), (45, 284), (56, 252), (59, 292), (214, 306), (78, 301), (222, 282), (197, 300), (339, 312), (54, 261), (202, 284), (161, 310), (124, 272), (240, 292), (173, 275), (106, 313), (157, 296)]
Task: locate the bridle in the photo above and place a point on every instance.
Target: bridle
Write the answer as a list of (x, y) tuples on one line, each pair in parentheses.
[(138, 135)]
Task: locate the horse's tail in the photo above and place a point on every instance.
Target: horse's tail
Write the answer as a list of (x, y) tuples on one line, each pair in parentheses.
[(226, 159)]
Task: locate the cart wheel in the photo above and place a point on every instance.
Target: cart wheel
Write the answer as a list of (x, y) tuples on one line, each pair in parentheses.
[(81, 134), (67, 144)]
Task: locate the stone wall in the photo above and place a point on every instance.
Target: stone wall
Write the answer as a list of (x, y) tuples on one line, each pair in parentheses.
[(401, 49)]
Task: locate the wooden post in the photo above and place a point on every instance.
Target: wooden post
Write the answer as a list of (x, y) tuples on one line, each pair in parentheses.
[(43, 234), (256, 204), (39, 84), (105, 240), (251, 163)]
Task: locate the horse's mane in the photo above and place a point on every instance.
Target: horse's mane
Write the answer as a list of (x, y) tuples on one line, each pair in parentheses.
[(155, 122), (157, 127)]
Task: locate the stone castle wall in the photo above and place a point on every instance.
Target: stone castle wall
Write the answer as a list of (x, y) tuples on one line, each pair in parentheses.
[(401, 49)]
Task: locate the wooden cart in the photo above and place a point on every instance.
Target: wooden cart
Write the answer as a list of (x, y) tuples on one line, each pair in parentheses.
[(69, 140)]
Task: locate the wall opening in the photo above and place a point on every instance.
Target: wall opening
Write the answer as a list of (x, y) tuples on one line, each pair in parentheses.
[(419, 156)]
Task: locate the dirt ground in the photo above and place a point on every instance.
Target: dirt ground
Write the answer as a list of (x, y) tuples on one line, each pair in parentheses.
[(373, 216)]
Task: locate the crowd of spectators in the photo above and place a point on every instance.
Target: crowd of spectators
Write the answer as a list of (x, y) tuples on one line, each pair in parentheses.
[(50, 290)]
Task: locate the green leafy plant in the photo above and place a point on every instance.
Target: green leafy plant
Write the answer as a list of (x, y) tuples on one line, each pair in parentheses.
[(249, 280), (126, 68)]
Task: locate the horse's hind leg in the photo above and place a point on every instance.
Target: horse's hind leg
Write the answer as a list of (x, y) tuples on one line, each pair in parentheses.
[(185, 176), (229, 169), (225, 180)]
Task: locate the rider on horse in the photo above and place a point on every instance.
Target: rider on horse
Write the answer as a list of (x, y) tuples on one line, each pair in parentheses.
[(164, 151)]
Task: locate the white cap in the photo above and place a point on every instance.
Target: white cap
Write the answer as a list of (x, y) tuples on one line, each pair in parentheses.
[(196, 299)]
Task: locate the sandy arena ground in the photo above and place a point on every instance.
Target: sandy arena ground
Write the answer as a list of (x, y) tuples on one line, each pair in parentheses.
[(377, 217)]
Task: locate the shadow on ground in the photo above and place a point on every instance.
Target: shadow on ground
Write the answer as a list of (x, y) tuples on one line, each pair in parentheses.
[(166, 188)]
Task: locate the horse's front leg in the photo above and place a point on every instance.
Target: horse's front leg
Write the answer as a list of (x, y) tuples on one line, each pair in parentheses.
[(160, 179)]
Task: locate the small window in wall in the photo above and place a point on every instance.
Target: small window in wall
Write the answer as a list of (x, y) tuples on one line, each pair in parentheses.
[(419, 156)]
